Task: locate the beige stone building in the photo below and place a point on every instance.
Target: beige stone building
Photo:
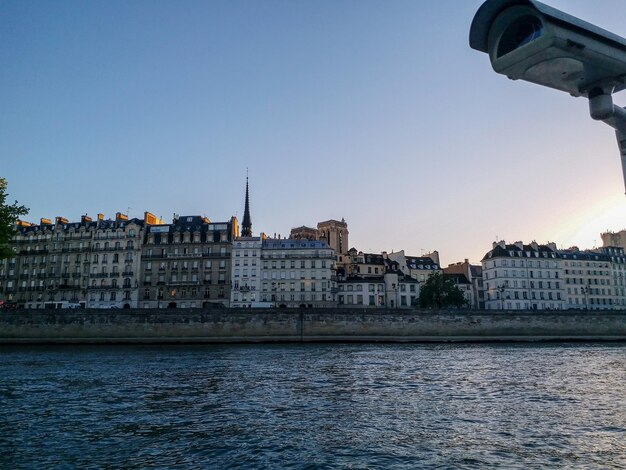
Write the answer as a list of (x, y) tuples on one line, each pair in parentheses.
[(418, 267), (115, 258), (372, 280), (297, 273), (474, 275), (62, 264), (246, 272)]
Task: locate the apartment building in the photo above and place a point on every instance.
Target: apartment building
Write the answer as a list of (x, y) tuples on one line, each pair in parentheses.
[(297, 273), (474, 275), (417, 267), (115, 258), (246, 272), (371, 280), (521, 277), (187, 263), (594, 279), (91, 263)]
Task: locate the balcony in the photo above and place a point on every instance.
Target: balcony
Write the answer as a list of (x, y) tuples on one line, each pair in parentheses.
[(187, 255), (184, 283), (276, 256), (98, 275), (128, 273), (76, 275), (35, 288)]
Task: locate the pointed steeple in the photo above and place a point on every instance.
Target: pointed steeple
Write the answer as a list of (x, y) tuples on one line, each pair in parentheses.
[(247, 221)]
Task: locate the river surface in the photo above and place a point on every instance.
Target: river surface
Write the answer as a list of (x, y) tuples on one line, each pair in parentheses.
[(314, 406)]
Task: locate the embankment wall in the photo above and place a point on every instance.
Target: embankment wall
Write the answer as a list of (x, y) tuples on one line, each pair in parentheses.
[(252, 325)]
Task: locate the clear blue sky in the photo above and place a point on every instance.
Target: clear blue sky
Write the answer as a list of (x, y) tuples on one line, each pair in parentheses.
[(376, 111)]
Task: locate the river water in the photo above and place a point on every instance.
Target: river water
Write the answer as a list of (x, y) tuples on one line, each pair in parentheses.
[(314, 406)]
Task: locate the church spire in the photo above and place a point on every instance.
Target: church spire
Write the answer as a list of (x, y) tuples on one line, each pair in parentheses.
[(247, 221)]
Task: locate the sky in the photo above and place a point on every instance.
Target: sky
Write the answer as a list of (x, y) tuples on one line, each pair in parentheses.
[(373, 111)]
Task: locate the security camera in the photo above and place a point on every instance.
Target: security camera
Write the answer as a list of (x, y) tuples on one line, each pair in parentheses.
[(528, 40)]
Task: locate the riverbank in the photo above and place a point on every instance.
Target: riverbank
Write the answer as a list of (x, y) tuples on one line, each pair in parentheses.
[(307, 325)]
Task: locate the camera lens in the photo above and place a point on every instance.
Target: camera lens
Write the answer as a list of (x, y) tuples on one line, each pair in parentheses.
[(520, 32)]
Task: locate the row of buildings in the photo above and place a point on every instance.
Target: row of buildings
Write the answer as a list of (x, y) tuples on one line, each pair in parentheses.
[(194, 262), (522, 276)]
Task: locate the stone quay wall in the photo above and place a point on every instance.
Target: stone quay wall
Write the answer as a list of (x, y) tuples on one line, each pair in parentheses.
[(305, 325)]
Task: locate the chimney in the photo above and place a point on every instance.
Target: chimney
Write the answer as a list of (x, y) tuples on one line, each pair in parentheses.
[(43, 221), (61, 220), (100, 217), (119, 216), (85, 219), (519, 244)]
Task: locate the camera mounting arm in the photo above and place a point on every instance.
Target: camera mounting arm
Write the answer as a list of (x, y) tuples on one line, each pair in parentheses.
[(602, 108), (528, 40)]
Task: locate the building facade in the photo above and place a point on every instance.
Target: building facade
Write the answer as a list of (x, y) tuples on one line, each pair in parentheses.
[(91, 263), (522, 277), (594, 279), (115, 260), (417, 267), (519, 277), (246, 272), (297, 273), (371, 280), (187, 263), (473, 274)]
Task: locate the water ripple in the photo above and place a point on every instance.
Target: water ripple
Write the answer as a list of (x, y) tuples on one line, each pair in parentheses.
[(314, 406)]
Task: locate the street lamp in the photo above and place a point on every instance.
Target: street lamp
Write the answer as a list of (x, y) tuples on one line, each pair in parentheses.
[(528, 40)]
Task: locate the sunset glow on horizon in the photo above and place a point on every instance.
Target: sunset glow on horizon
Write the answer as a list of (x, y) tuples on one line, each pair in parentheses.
[(379, 113)]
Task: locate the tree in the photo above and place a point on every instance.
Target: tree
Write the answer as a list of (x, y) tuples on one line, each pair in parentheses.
[(440, 292), (8, 217)]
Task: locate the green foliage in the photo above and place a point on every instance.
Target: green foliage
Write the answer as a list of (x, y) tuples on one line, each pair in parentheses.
[(440, 292), (8, 216)]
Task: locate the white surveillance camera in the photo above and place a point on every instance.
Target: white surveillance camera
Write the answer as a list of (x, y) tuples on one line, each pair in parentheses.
[(531, 41), (527, 40)]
